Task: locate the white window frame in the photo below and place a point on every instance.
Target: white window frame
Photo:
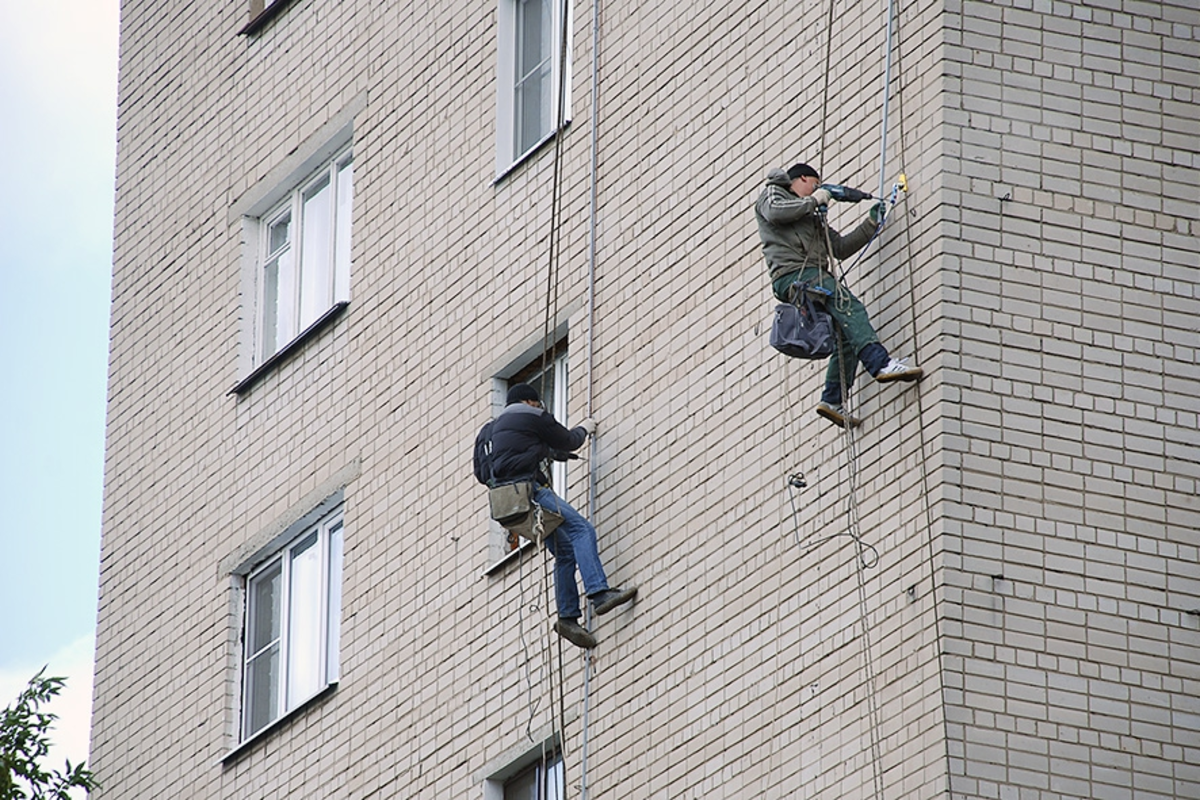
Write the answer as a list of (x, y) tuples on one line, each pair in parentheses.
[(509, 150), (545, 757), (319, 270), (549, 775), (557, 406), (320, 670)]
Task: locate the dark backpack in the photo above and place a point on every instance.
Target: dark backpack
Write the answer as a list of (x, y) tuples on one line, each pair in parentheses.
[(803, 329), (483, 454)]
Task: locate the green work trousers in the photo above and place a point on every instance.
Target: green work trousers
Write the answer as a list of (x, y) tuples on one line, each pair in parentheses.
[(849, 318)]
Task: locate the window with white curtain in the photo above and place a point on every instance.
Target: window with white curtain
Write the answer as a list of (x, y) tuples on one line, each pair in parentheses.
[(304, 256), (528, 76), (291, 632), (541, 780)]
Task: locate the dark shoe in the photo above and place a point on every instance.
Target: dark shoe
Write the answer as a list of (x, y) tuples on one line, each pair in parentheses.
[(574, 633), (609, 599), (837, 415)]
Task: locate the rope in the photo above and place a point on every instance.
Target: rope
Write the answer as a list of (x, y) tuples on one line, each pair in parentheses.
[(825, 84), (591, 350), (532, 700), (549, 355), (787, 373), (925, 490), (558, 711), (867, 554), (852, 525), (549, 344)]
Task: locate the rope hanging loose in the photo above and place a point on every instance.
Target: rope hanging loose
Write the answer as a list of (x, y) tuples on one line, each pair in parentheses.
[(867, 554)]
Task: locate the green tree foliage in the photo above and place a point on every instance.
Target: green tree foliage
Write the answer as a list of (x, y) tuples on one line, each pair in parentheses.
[(24, 742)]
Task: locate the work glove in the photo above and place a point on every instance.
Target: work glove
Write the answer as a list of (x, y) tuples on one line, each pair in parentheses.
[(589, 425), (877, 212), (822, 196)]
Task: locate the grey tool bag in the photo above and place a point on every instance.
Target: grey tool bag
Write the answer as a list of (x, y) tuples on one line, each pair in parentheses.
[(513, 506), (511, 502), (803, 329)]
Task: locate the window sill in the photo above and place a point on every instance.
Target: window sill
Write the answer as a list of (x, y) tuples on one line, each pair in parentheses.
[(249, 744), (529, 154), (284, 352), (511, 557), (260, 20)]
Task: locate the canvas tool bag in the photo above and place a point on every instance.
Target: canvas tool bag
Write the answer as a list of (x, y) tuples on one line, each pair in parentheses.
[(511, 502), (803, 329), (513, 506)]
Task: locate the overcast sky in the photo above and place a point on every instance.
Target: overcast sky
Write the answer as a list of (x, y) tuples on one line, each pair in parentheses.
[(58, 68)]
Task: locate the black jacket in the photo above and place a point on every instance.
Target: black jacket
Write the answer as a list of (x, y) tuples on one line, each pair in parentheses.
[(522, 437)]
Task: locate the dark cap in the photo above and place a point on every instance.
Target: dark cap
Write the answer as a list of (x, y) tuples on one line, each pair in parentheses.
[(521, 392), (802, 171)]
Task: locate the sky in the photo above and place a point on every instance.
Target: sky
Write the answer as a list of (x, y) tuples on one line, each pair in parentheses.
[(58, 70)]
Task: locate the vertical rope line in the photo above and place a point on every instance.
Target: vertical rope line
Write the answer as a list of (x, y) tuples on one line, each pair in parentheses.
[(549, 341), (549, 354), (937, 602), (557, 711), (887, 89), (799, 380), (531, 700), (825, 84), (874, 721), (846, 367), (593, 449)]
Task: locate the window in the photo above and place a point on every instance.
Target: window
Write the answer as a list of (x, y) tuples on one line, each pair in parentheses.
[(293, 613), (541, 780), (261, 12), (304, 256), (529, 50), (534, 773), (552, 386)]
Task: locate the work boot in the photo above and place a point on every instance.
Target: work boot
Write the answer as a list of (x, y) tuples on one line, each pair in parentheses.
[(837, 415), (608, 599), (898, 371), (573, 632)]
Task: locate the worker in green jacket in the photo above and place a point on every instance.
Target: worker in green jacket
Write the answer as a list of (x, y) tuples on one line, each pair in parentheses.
[(798, 243)]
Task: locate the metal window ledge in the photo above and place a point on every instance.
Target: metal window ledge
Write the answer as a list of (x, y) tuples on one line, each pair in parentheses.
[(271, 727), (259, 20), (284, 352)]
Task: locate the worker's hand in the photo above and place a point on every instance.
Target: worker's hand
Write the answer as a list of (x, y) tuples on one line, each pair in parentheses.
[(822, 196), (589, 425), (877, 212)]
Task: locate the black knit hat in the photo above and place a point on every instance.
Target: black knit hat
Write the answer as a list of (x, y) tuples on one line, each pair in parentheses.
[(802, 171), (521, 392)]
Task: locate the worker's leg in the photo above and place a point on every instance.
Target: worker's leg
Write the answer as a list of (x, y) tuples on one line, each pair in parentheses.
[(573, 545), (857, 339)]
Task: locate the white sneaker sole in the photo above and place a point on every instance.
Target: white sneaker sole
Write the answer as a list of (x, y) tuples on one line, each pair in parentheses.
[(907, 376)]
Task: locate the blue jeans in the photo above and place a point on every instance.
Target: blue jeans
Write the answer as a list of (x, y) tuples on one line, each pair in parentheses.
[(573, 545)]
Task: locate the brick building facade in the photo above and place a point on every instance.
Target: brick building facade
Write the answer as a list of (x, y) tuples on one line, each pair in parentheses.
[(300, 591)]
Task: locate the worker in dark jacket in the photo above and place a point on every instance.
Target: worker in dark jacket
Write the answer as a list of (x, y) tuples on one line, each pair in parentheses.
[(522, 438), (797, 242)]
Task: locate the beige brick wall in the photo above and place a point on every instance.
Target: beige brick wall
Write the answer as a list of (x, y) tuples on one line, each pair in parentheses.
[(1053, 441), (1073, 385)]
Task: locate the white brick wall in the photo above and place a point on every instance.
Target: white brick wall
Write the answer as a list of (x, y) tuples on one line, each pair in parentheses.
[(1032, 500)]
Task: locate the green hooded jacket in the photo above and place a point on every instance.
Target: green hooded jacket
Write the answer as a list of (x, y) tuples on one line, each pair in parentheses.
[(793, 233)]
